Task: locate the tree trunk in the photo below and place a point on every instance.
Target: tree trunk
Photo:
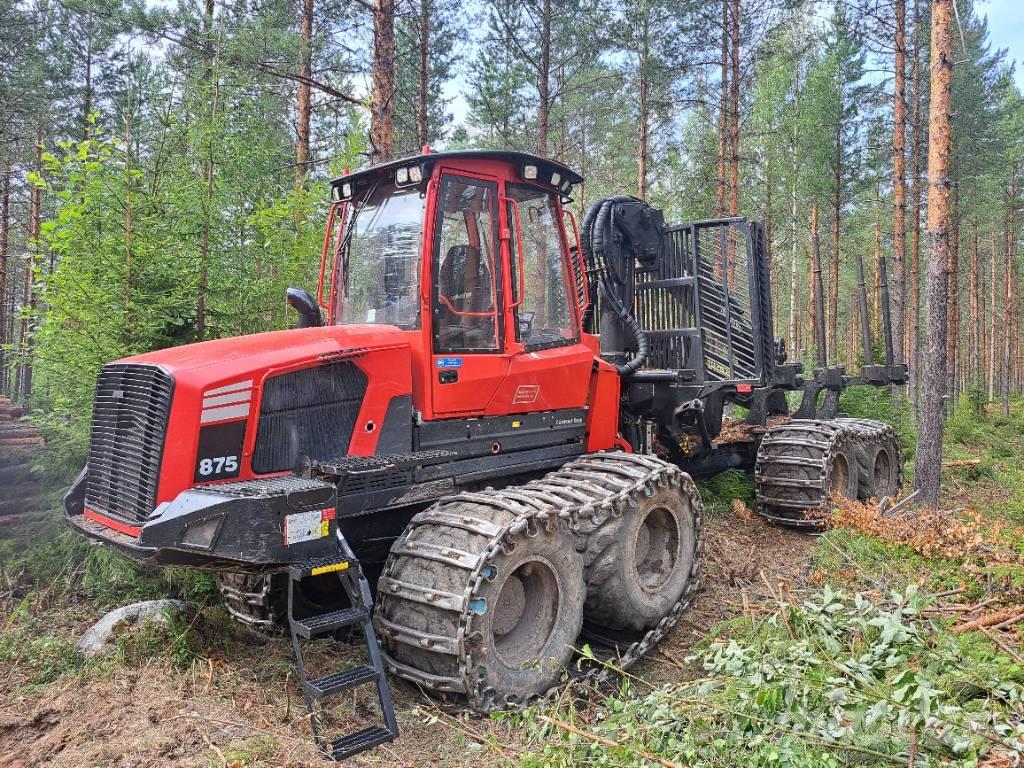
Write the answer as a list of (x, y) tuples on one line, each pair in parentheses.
[(912, 329), (5, 229), (993, 307), (837, 207), (213, 79), (899, 187), (1008, 303), (30, 296), (794, 341), (734, 127), (422, 137), (953, 303), (973, 323), (543, 80), (643, 117), (931, 425), (382, 96), (877, 304), (305, 106), (723, 110)]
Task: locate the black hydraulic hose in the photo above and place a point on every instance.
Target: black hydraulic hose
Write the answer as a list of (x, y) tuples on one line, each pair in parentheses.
[(602, 250)]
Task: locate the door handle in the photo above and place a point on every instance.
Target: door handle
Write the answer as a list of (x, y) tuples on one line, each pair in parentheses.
[(447, 377)]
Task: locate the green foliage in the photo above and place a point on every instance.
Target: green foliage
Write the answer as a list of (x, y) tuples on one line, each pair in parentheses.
[(837, 680), (718, 491), (248, 753), (879, 404)]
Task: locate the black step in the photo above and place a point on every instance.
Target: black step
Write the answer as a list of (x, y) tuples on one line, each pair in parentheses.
[(319, 566), (324, 623), (359, 741), (337, 682)]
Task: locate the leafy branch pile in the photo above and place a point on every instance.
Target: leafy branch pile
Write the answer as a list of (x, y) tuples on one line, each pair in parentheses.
[(833, 681)]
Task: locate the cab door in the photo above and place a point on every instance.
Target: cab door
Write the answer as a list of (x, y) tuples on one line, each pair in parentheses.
[(469, 361), (549, 368)]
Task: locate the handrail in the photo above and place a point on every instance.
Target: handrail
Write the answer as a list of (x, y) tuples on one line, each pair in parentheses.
[(519, 253), (583, 287)]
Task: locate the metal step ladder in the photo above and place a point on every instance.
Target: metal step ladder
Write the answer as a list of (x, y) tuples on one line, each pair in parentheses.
[(350, 574)]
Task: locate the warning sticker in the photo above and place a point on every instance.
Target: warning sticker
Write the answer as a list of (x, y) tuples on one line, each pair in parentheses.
[(305, 526)]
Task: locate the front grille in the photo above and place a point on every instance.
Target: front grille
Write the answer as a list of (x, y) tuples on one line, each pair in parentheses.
[(129, 422), (307, 413)]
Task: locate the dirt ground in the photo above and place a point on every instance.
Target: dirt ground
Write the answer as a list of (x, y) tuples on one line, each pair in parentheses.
[(240, 706)]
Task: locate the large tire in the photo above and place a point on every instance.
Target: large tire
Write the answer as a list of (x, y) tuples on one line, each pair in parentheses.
[(481, 597), (640, 563), (260, 601), (880, 458), (800, 465)]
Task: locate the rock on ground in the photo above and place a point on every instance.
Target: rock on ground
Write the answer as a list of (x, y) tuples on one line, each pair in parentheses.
[(97, 638)]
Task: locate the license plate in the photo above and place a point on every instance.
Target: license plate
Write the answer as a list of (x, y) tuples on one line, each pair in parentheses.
[(304, 526)]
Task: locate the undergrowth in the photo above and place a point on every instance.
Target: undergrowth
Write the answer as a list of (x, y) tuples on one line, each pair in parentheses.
[(834, 681)]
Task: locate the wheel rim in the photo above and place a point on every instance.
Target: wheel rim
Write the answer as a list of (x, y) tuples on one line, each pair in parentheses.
[(525, 613), (840, 475), (656, 549), (883, 471)]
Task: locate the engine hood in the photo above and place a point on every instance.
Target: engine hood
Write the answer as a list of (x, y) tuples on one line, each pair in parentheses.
[(265, 351)]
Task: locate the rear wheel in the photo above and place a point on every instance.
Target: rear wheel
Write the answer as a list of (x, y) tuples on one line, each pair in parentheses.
[(639, 564), (801, 465)]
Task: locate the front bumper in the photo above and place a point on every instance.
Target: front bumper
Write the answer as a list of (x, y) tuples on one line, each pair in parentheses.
[(248, 526)]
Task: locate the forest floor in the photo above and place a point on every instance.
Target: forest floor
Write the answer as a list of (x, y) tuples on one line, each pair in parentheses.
[(208, 692)]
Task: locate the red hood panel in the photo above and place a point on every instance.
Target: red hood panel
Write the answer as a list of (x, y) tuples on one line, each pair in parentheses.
[(273, 349)]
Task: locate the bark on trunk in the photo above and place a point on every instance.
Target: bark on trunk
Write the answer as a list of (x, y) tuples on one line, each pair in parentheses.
[(30, 296), (993, 307), (643, 117), (1008, 312), (543, 80), (382, 96), (837, 208), (899, 280), (912, 329), (424, 80), (734, 127), (931, 425), (973, 325), (305, 101), (953, 304), (5, 229), (723, 110)]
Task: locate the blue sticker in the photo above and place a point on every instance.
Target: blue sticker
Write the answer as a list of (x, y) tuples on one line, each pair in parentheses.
[(449, 362)]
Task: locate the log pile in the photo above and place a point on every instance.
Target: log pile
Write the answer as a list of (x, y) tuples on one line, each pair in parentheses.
[(18, 440)]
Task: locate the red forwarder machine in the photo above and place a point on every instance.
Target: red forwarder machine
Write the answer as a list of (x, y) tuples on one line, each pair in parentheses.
[(489, 415)]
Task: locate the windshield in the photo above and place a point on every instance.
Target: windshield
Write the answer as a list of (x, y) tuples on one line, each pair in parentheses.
[(380, 271)]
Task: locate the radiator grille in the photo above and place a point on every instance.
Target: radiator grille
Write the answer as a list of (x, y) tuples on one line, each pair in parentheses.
[(129, 421), (307, 413)]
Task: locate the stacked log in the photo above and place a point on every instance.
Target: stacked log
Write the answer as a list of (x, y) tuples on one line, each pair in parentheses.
[(18, 440)]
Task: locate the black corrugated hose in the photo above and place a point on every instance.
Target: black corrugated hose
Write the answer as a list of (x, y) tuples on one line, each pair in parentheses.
[(604, 254)]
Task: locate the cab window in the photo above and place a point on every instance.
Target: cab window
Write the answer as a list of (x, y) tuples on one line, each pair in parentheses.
[(465, 305), (544, 318)]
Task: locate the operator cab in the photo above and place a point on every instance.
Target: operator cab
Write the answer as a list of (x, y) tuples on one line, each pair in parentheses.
[(466, 252)]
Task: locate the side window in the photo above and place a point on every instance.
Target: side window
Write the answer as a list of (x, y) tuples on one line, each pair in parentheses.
[(544, 318), (465, 306)]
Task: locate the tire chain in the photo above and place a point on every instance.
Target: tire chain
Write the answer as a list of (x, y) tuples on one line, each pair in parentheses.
[(582, 495), (862, 433)]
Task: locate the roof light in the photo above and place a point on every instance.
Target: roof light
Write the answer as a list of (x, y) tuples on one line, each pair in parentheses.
[(416, 174), (346, 190), (555, 178), (402, 176), (529, 171), (335, 193)]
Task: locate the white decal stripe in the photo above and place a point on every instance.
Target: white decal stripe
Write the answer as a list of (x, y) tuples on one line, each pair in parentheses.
[(234, 397), (227, 412), (229, 388)]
